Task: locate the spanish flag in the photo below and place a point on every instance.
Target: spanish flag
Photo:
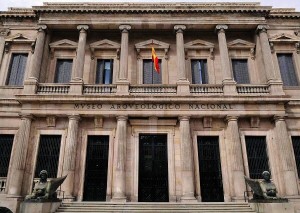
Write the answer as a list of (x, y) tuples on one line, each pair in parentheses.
[(155, 60)]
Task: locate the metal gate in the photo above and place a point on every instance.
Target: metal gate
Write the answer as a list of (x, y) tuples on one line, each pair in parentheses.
[(48, 155), (258, 160), (95, 181), (153, 168), (6, 143), (210, 169)]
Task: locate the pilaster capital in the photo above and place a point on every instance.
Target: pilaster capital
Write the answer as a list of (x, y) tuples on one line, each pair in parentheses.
[(82, 28), (184, 118), (179, 28), (124, 28), (4, 32), (74, 117), (221, 28), (262, 28), (41, 28), (26, 116), (122, 118), (279, 118), (230, 118)]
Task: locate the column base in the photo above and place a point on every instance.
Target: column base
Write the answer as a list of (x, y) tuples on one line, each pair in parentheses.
[(122, 87), (30, 86), (183, 87), (118, 199), (276, 87), (188, 199), (229, 87), (76, 87)]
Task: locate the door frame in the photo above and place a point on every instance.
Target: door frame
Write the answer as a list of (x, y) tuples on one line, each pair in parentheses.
[(170, 131), (223, 159), (83, 153)]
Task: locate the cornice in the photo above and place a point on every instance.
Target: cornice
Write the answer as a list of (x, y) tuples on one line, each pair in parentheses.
[(18, 13)]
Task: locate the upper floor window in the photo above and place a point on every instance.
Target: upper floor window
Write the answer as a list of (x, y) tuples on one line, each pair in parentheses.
[(199, 71), (104, 71), (17, 69), (63, 71), (240, 71), (150, 76), (287, 69)]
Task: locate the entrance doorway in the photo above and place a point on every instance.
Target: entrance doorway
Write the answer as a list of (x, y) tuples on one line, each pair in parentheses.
[(153, 168), (95, 181), (210, 169)]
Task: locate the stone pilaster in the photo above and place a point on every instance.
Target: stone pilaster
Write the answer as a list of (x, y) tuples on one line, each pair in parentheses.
[(187, 168), (70, 155), (229, 85), (19, 156), (77, 75), (123, 83), (274, 83), (3, 34), (118, 184), (183, 85), (285, 151), (30, 84), (234, 152)]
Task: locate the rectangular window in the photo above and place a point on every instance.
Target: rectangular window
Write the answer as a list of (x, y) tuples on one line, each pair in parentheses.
[(150, 76), (6, 143), (287, 69), (258, 160), (17, 69), (104, 71), (296, 147), (199, 71), (240, 71), (63, 71), (48, 155)]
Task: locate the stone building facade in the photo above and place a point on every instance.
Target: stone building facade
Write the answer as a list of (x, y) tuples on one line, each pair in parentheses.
[(79, 96)]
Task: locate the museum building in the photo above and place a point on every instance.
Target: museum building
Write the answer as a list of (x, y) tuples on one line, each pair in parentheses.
[(79, 96)]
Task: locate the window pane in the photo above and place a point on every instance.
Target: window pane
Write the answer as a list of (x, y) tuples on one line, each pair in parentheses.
[(199, 71), (104, 71), (48, 155), (17, 69), (287, 69), (240, 71), (150, 76), (258, 160), (63, 71), (6, 143), (296, 147)]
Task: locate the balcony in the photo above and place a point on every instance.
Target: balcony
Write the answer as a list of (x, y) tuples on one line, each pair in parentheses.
[(51, 89), (152, 89)]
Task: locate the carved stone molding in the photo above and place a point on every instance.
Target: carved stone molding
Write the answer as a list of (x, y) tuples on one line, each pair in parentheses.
[(82, 28), (262, 28), (179, 28), (284, 38), (207, 122), (221, 28), (62, 44), (148, 44), (242, 44), (106, 45), (18, 39), (199, 45), (98, 121), (4, 32), (42, 27), (124, 28), (51, 121), (255, 122)]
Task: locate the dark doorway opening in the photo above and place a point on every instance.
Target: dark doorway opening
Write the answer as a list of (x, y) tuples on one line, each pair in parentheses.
[(153, 168)]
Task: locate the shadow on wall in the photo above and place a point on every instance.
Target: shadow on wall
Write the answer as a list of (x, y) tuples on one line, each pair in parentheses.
[(5, 210)]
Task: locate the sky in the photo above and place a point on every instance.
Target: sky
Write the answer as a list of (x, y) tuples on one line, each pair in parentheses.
[(28, 3)]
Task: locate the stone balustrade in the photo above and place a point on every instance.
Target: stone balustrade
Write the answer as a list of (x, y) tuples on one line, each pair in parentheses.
[(206, 89), (253, 89), (153, 89), (2, 184), (99, 89), (53, 89)]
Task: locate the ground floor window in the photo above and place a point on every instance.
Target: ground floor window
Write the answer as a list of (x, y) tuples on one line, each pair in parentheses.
[(6, 143)]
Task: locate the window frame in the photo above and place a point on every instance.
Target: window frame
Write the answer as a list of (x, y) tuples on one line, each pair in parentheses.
[(191, 70), (113, 75), (248, 67), (153, 70), (55, 68)]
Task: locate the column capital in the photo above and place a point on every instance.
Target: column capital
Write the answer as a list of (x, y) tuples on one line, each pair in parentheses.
[(74, 117), (26, 116), (82, 28), (221, 28), (262, 28), (124, 28), (229, 118), (279, 118), (42, 28), (184, 118), (122, 118), (179, 28), (4, 32)]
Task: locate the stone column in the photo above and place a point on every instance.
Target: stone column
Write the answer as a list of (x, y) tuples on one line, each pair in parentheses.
[(234, 153), (229, 85), (119, 158), (70, 155), (123, 83), (187, 168), (19, 156), (183, 85), (30, 84), (3, 34), (274, 83), (285, 151), (77, 74)]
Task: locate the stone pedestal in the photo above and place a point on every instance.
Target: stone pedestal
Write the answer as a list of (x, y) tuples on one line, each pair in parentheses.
[(33, 207), (273, 207)]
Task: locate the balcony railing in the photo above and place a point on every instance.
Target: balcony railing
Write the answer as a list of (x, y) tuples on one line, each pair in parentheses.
[(153, 89), (53, 89), (99, 89), (206, 89), (2, 184), (252, 89)]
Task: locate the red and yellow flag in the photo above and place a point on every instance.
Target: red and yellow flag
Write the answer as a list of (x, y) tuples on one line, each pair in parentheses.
[(155, 60)]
